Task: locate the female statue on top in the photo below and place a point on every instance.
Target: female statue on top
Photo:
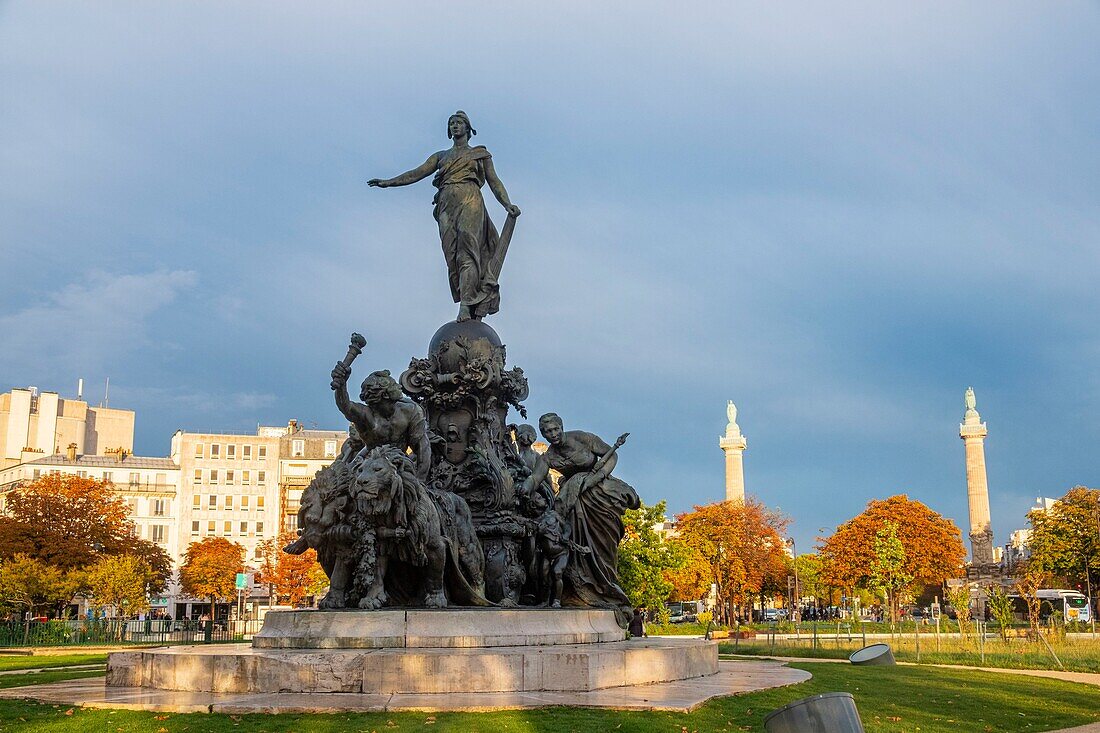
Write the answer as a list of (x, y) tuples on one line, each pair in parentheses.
[(471, 246)]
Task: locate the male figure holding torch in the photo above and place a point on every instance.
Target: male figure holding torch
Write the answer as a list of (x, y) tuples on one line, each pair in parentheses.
[(385, 417)]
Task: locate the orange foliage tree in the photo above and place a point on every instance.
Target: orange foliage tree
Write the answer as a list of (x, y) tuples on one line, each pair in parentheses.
[(932, 544), (743, 546), (210, 569), (692, 578), (70, 522), (290, 577)]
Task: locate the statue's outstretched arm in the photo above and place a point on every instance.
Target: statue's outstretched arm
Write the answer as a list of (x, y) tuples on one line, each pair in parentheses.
[(498, 188), (419, 173)]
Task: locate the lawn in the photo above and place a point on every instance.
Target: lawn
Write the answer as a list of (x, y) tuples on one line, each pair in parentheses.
[(1075, 655), (28, 661), (894, 699)]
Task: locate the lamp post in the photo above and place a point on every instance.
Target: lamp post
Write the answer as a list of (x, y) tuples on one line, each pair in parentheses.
[(795, 612)]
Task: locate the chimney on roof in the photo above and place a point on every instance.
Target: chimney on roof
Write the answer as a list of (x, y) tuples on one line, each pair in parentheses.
[(70, 453), (292, 427)]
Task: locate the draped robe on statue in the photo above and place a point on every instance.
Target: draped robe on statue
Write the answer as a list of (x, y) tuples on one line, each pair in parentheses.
[(469, 239), (594, 518)]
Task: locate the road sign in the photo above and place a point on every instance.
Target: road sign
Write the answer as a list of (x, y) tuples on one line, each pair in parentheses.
[(242, 581)]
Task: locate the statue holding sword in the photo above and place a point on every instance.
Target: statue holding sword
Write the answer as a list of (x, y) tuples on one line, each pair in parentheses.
[(473, 249)]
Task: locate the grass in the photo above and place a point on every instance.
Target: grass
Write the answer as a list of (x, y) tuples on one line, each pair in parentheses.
[(42, 662), (890, 699), (1076, 655)]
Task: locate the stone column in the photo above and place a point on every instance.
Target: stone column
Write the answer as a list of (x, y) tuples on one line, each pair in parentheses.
[(973, 432), (734, 444)]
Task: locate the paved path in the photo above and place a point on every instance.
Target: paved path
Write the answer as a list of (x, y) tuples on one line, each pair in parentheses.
[(1085, 678)]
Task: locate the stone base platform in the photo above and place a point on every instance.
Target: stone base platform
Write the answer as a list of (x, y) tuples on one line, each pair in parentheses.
[(235, 668), (436, 628), (682, 696)]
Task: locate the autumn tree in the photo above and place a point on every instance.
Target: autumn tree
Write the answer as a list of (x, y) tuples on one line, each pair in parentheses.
[(646, 559), (290, 577), (1065, 539), (210, 569), (743, 545), (932, 547), (69, 522), (692, 578), (120, 583)]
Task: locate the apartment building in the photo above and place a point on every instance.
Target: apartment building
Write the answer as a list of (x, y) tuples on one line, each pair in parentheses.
[(302, 453), (36, 424)]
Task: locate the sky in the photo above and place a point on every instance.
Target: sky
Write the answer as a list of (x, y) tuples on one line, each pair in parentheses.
[(838, 215)]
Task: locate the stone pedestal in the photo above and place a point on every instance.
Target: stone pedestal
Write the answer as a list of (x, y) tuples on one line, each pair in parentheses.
[(421, 651)]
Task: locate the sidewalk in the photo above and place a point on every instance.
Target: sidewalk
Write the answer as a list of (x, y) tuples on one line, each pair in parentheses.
[(1085, 678)]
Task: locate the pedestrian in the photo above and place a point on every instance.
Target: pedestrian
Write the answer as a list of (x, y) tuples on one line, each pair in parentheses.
[(637, 624)]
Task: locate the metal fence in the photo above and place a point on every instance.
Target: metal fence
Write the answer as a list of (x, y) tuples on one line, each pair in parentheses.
[(103, 632)]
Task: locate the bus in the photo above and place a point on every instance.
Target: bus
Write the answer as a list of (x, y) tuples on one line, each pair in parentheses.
[(683, 611), (1068, 605)]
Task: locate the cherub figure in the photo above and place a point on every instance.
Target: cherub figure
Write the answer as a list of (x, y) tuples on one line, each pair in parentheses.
[(552, 547)]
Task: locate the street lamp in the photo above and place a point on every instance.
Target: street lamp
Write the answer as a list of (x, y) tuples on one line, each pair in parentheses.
[(795, 614)]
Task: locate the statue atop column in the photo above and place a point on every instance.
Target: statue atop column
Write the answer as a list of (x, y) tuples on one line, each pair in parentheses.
[(473, 249)]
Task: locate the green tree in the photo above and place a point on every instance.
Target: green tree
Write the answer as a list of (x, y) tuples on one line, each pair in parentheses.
[(646, 560), (29, 586), (888, 573), (210, 569), (1065, 540), (1000, 606), (119, 583), (810, 580), (959, 598)]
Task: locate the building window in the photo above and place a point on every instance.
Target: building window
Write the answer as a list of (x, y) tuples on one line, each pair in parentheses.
[(198, 450), (262, 452), (231, 451), (215, 450), (194, 527), (258, 554), (246, 477), (196, 501), (292, 523), (244, 502), (135, 479), (330, 449), (106, 477), (211, 527), (37, 473), (228, 528), (246, 452), (259, 503), (229, 502), (213, 475), (297, 448), (162, 479), (228, 477), (158, 507), (244, 528), (198, 475), (261, 477), (212, 502), (82, 474), (259, 528), (157, 533)]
